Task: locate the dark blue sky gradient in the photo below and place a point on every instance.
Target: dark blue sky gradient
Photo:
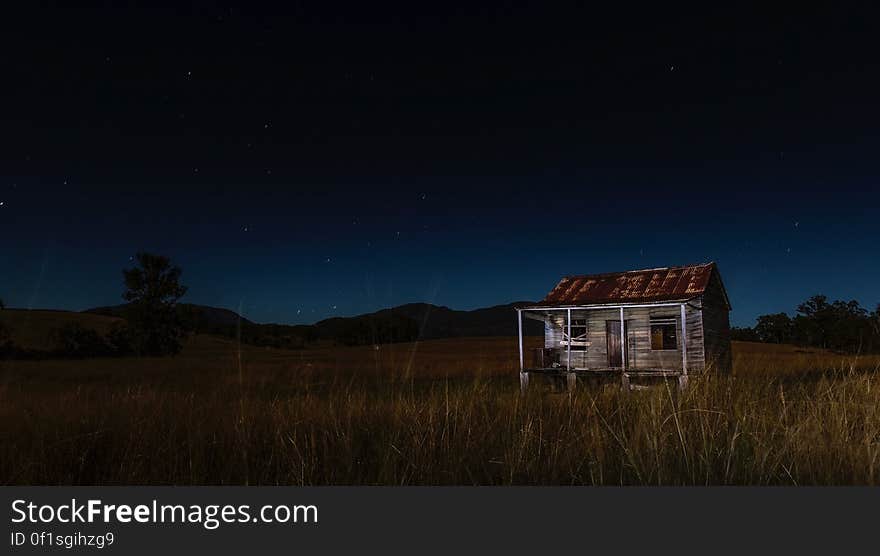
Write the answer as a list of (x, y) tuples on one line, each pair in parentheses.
[(307, 165)]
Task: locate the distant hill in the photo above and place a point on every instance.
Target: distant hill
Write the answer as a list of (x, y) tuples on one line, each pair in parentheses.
[(199, 314), (435, 321), (33, 329), (397, 324)]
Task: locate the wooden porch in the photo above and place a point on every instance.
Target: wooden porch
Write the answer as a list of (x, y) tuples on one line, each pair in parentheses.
[(629, 379), (607, 371), (626, 343), (553, 360)]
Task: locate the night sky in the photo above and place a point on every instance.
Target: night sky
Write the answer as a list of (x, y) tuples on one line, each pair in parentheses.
[(327, 162)]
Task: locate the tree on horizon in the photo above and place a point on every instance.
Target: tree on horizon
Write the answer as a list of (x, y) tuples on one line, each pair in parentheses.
[(152, 289), (843, 326)]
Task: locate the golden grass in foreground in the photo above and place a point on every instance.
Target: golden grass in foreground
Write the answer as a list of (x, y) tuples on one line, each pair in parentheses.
[(442, 412)]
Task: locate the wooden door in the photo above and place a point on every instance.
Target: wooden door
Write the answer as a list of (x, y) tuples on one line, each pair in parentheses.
[(612, 337)]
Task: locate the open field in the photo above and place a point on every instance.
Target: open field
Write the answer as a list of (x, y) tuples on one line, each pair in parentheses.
[(438, 412)]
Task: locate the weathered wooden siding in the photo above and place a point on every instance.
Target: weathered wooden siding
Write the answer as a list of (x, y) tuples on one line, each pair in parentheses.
[(717, 327), (695, 339), (638, 338)]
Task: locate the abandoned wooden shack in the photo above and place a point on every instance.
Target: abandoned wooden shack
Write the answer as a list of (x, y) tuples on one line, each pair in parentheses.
[(641, 324)]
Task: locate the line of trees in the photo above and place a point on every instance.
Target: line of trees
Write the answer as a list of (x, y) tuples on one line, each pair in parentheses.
[(843, 326)]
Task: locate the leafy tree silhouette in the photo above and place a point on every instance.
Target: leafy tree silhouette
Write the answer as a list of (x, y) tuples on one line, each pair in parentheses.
[(153, 289)]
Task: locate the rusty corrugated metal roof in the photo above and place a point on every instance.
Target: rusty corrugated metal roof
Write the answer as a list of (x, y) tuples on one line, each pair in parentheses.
[(635, 286)]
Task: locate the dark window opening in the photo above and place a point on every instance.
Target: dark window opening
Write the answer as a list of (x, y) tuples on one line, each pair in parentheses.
[(663, 334), (578, 335)]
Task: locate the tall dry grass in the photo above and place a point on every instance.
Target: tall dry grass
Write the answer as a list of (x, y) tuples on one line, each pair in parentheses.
[(446, 412)]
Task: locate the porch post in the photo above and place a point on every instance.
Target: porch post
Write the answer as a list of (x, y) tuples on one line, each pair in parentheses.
[(568, 314), (622, 340), (523, 376), (682, 380), (519, 322)]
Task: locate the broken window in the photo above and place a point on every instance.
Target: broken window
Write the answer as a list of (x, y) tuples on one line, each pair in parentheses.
[(663, 334), (578, 335)]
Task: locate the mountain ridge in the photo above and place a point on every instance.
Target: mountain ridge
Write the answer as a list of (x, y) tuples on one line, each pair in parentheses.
[(399, 323), (439, 321)]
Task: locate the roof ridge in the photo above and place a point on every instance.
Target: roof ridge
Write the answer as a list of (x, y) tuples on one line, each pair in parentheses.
[(603, 274)]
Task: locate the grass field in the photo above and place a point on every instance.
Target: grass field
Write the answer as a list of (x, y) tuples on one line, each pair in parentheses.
[(439, 412)]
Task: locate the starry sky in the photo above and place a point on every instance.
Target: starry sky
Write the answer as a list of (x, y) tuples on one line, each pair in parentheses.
[(334, 160)]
